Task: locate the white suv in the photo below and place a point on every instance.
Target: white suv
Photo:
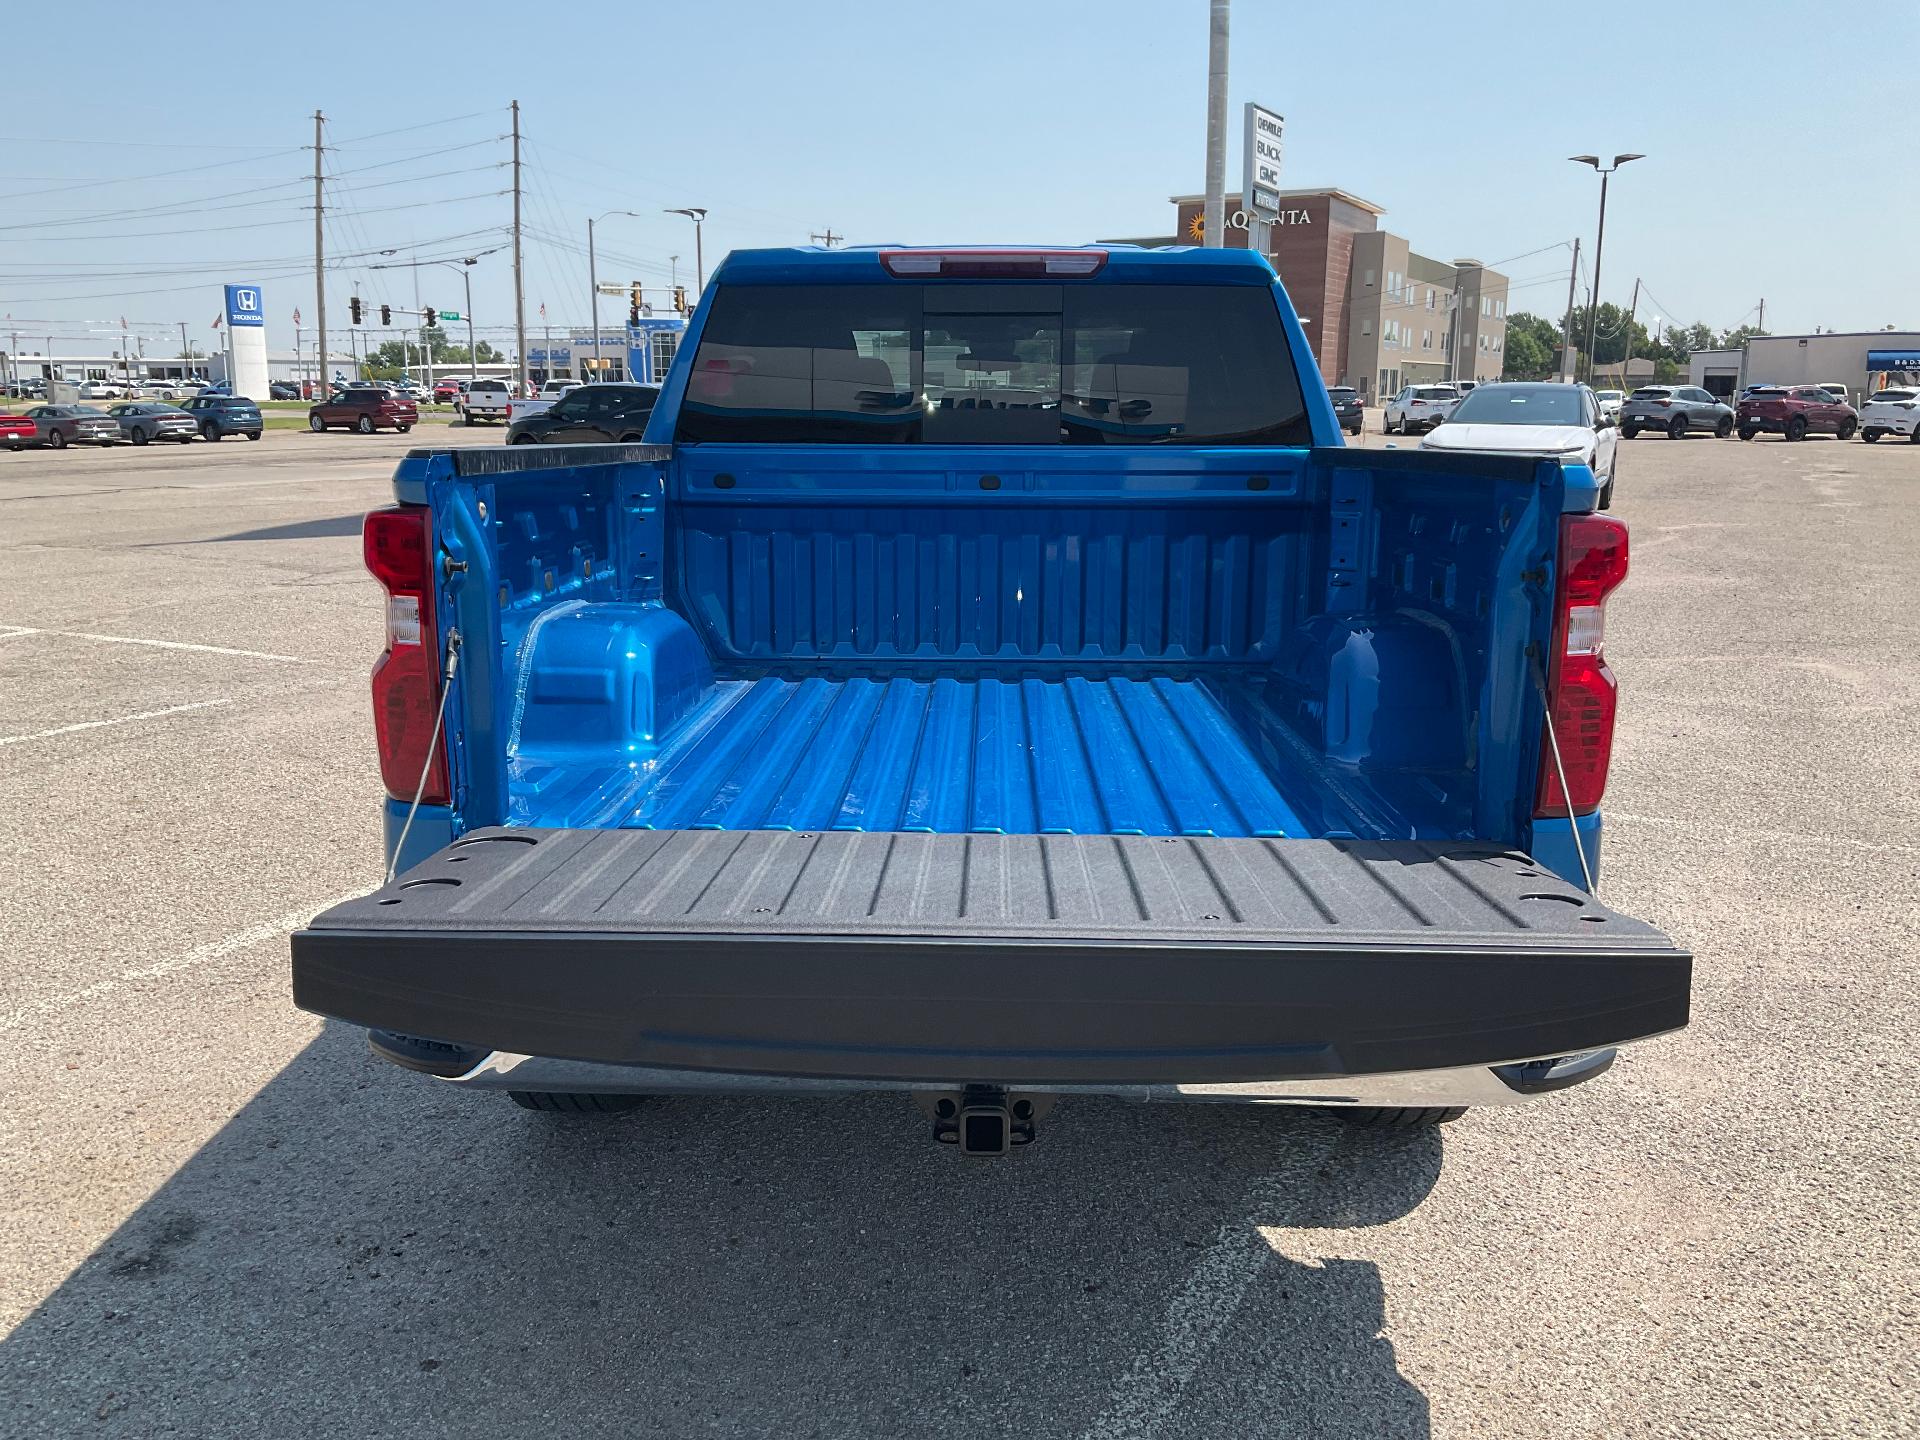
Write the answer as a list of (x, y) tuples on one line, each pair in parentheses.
[(1419, 408), (1609, 402), (1894, 411)]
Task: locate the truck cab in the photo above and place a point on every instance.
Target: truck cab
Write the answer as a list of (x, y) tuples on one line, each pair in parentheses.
[(991, 678)]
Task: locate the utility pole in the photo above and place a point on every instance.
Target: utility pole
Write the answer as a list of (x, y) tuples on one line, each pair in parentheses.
[(828, 238), (1214, 224), (1566, 324), (186, 353), (319, 257), (1763, 315), (1632, 310), (519, 288)]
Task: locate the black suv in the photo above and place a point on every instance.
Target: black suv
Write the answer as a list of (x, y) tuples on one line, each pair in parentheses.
[(1347, 408), (592, 415)]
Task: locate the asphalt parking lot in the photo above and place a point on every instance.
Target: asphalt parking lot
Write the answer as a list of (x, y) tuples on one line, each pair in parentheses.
[(219, 1217)]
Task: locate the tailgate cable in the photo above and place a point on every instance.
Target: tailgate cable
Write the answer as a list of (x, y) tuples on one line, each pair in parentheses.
[(1559, 768), (433, 741)]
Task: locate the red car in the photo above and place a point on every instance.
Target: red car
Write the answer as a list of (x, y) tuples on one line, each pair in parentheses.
[(1795, 412), (15, 430), (446, 391), (365, 410)]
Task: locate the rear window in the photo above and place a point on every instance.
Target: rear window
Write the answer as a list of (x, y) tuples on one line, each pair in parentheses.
[(1891, 395), (958, 363), (489, 387), (1650, 392), (1340, 395), (1437, 392)]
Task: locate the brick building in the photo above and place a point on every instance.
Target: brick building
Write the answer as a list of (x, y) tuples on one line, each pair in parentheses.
[(1378, 315)]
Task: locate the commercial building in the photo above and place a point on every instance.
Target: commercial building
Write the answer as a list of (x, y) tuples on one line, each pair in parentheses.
[(1862, 360), (1378, 314)]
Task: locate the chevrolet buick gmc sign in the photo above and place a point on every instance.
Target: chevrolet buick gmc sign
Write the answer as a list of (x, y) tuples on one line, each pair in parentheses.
[(244, 307), (1260, 150)]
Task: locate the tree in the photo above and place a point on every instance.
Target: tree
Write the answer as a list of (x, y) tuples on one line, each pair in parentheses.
[(1736, 339), (389, 359), (1532, 347)]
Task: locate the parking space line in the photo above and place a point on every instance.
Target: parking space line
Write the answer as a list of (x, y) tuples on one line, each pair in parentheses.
[(159, 644), (117, 720), (185, 960)]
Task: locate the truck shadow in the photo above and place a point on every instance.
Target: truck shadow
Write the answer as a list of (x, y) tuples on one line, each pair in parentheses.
[(360, 1251)]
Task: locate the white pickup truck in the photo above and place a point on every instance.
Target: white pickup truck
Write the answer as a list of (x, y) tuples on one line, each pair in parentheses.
[(549, 392), (488, 400)]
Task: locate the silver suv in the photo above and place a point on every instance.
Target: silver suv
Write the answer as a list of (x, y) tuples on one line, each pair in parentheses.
[(1676, 411)]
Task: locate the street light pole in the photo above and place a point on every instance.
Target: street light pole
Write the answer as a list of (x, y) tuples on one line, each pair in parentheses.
[(697, 214), (1599, 241), (593, 281), (1214, 227)]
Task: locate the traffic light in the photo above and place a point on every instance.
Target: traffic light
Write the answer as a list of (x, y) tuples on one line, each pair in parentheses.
[(633, 307), (429, 318), (386, 314), (680, 298), (353, 309)]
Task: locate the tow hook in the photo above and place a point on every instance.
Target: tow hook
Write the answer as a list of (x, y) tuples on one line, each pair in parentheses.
[(983, 1120)]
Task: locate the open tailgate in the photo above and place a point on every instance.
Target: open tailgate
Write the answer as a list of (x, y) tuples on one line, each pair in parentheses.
[(992, 958)]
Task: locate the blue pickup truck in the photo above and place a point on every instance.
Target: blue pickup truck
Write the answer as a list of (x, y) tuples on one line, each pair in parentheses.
[(992, 679)]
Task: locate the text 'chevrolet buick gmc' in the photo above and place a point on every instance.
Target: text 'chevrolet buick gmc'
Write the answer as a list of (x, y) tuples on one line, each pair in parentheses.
[(992, 679)]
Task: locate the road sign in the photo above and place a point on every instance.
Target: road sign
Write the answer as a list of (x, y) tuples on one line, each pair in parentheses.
[(450, 315), (1260, 186)]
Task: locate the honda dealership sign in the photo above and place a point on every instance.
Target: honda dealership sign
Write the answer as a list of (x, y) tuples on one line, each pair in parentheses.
[(246, 314)]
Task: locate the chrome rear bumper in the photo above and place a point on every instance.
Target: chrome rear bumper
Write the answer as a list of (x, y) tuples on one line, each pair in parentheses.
[(1472, 1085)]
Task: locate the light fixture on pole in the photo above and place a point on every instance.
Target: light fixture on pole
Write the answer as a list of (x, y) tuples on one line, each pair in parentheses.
[(697, 214), (1599, 243), (593, 281)]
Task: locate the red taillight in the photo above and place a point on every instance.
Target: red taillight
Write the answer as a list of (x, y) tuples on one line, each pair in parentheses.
[(1581, 689), (398, 546), (979, 262)]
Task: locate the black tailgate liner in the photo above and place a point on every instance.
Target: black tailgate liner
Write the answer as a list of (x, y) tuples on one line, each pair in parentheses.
[(1010, 958)]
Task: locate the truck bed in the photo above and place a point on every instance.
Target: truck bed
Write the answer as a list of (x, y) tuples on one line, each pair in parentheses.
[(1151, 755)]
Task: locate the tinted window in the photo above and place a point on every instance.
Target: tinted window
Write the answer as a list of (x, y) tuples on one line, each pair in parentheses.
[(1342, 395), (1879, 395), (489, 387), (1522, 405), (1651, 392), (994, 364), (1437, 392)]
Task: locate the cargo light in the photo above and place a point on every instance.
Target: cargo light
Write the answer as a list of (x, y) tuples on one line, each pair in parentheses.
[(1582, 694), (978, 263), (398, 547)]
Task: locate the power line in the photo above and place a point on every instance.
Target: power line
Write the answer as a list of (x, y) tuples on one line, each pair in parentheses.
[(409, 129)]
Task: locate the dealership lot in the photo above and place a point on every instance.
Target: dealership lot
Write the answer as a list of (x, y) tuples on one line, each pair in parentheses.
[(219, 1216)]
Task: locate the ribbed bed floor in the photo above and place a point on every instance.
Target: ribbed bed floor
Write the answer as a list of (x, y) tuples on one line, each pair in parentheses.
[(1115, 756)]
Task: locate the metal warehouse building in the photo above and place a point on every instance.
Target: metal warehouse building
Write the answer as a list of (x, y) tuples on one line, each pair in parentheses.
[(1863, 361)]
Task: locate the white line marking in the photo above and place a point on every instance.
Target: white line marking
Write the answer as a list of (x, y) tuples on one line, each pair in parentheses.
[(185, 960), (118, 720), (1151, 1390), (160, 644)]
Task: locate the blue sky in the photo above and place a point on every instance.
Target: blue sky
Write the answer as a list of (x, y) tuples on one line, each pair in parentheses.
[(1776, 165)]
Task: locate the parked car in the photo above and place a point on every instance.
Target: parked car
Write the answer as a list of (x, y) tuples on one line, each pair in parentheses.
[(1675, 411), (988, 844), (143, 421), (283, 390), (1348, 408), (1795, 412), (1893, 411), (16, 428), (221, 415), (488, 400), (1609, 402), (365, 408), (58, 426), (1838, 391), (101, 390), (446, 390), (1418, 408), (587, 415), (1534, 418)]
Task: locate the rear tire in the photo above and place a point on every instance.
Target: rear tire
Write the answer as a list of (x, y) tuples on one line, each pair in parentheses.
[(1630, 432), (1797, 428), (1407, 1117), (558, 1104), (1677, 428), (1606, 494), (520, 439), (1913, 435), (403, 429), (1745, 433), (1724, 428), (1870, 436)]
